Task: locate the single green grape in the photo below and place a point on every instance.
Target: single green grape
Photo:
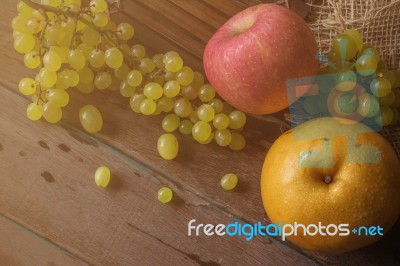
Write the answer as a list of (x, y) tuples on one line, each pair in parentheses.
[(98, 6), (237, 119), (24, 9), (345, 46), (146, 65), (114, 58), (125, 31), (205, 112), (185, 127), (77, 59), (201, 131), (34, 111), (33, 26), (47, 78), (368, 105), (122, 72), (91, 118), (101, 20), (357, 37), (55, 32), (221, 121), (86, 75), (71, 77), (168, 146), (126, 90), (51, 113), (238, 142), (91, 36), (185, 76), (380, 87), (27, 86), (134, 78), (206, 93), (32, 60), (217, 104), (345, 80), (148, 107), (371, 51), (103, 80), (18, 24), (58, 98), (97, 58), (183, 107), (135, 101), (158, 60), (138, 52), (170, 122), (153, 91), (223, 137), (171, 88), (165, 195), (229, 181), (387, 74), (172, 62), (345, 103), (198, 80), (366, 65), (189, 92), (102, 176), (24, 43), (166, 104), (388, 100), (62, 52), (385, 117)]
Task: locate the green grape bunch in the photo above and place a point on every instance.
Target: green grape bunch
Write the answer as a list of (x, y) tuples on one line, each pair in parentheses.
[(363, 88), (73, 46)]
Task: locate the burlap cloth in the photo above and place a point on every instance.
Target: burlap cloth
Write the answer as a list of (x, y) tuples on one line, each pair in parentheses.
[(378, 21)]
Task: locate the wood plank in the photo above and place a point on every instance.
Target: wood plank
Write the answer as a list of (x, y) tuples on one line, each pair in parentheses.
[(202, 11), (48, 187), (122, 132), (165, 27), (18, 246)]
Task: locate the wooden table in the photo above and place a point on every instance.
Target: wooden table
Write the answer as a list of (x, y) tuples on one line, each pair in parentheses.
[(51, 211)]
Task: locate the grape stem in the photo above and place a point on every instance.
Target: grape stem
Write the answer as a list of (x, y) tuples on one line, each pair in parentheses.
[(67, 13)]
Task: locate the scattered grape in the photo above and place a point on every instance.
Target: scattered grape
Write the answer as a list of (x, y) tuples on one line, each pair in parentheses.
[(153, 91), (183, 108), (165, 195), (168, 146), (223, 137), (221, 121), (206, 93), (91, 118), (148, 107), (237, 119), (229, 181), (102, 176), (58, 98), (102, 80)]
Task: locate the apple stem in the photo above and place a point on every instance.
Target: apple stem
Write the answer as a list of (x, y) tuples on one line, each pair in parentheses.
[(327, 179)]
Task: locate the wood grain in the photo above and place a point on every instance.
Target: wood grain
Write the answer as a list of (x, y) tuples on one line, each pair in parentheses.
[(18, 246), (47, 169)]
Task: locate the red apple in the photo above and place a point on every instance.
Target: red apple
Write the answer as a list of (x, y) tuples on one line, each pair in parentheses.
[(250, 58)]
